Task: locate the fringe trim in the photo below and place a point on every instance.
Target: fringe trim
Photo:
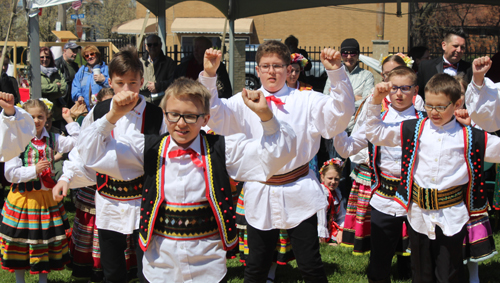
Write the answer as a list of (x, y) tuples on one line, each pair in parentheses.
[(83, 207)]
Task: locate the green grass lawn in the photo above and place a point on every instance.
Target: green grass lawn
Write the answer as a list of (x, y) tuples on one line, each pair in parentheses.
[(340, 265)]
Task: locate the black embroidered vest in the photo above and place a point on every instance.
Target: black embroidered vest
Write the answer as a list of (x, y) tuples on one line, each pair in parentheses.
[(119, 189), (218, 187), (475, 140)]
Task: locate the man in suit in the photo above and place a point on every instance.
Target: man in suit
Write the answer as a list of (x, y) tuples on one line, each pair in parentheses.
[(451, 63)]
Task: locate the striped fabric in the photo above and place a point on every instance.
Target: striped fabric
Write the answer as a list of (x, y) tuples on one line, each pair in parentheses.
[(479, 244), (289, 177)]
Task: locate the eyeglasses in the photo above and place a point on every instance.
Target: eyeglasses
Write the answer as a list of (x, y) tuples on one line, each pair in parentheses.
[(347, 53), (45, 57), (406, 89), (439, 109), (188, 118), (88, 55), (297, 71), (153, 44), (265, 68)]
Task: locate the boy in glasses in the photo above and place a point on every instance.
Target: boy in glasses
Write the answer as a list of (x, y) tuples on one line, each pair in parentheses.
[(442, 178), (275, 204), (388, 234), (118, 198), (187, 217)]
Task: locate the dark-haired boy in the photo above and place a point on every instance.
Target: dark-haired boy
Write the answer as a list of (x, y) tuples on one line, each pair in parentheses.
[(117, 201), (187, 214), (275, 204), (440, 185)]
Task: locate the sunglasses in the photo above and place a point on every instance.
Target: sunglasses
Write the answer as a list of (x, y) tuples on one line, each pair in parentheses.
[(155, 44), (345, 54), (89, 55)]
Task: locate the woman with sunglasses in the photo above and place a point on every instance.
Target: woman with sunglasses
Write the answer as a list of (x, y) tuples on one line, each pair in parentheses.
[(53, 84), (90, 78)]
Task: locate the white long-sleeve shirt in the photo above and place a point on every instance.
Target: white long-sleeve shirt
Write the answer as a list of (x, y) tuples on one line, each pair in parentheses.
[(16, 132), (312, 115), (483, 104), (323, 224), (16, 173), (440, 164), (111, 214), (246, 160)]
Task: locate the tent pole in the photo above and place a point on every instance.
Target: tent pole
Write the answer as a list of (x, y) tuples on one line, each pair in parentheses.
[(144, 25), (34, 55), (231, 51), (162, 26)]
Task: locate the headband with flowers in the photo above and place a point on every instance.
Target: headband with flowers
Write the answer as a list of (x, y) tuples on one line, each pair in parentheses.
[(44, 100), (335, 160), (408, 60), (298, 58)]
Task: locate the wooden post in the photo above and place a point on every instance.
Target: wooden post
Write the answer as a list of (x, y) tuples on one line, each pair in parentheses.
[(379, 27)]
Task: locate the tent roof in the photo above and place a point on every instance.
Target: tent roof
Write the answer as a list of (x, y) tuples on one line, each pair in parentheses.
[(210, 25), (246, 8), (135, 26)]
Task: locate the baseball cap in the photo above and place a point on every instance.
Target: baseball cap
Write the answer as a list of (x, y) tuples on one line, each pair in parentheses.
[(71, 45)]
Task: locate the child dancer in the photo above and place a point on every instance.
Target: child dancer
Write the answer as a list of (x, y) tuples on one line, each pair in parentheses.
[(16, 128), (331, 220), (117, 201), (438, 189), (274, 205), (34, 226), (187, 213)]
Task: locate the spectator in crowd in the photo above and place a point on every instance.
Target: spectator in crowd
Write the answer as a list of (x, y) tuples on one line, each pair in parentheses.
[(293, 44), (451, 63), (9, 84), (66, 64), (193, 65), (53, 85), (90, 78), (418, 54), (362, 81), (158, 70)]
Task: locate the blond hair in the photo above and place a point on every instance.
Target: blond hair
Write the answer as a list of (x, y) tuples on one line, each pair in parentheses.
[(184, 87)]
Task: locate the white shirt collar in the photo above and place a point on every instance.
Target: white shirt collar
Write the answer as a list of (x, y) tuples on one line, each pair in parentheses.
[(195, 145), (285, 90), (405, 113)]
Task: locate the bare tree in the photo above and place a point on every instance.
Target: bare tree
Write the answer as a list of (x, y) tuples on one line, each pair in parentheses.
[(106, 14)]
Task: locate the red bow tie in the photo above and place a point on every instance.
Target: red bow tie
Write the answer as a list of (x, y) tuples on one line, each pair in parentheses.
[(448, 65), (39, 142), (274, 99), (190, 151)]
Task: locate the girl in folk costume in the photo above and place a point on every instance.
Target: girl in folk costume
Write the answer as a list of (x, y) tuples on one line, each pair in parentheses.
[(298, 63), (34, 226), (331, 220)]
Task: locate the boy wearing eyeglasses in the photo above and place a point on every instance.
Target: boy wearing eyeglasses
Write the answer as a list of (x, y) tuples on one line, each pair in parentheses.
[(442, 178), (290, 199), (187, 217), (388, 235)]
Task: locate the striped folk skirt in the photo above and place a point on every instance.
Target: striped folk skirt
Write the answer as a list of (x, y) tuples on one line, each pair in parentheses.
[(33, 233), (478, 243)]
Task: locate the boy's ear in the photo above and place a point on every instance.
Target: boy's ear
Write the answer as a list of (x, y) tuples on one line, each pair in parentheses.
[(206, 118), (416, 90), (142, 81), (289, 69), (109, 82)]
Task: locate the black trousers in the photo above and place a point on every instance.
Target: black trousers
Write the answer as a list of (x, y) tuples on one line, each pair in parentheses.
[(385, 235), (305, 244), (439, 260), (113, 245)]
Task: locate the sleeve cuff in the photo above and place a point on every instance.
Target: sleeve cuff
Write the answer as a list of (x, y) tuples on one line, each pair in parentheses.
[(335, 75), (208, 82), (479, 87), (373, 108), (72, 128), (65, 179), (271, 126), (104, 126)]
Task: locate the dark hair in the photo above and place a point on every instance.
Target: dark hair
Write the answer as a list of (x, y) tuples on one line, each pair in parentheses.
[(104, 92), (454, 31), (124, 61), (46, 49), (417, 52), (292, 41), (273, 47), (153, 36), (446, 84), (403, 71), (207, 43)]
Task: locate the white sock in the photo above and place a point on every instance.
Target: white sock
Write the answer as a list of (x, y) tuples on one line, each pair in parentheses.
[(272, 271), (20, 276), (473, 272), (42, 278)]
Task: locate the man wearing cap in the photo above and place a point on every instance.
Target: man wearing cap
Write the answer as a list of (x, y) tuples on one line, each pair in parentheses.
[(66, 63), (158, 70), (361, 80)]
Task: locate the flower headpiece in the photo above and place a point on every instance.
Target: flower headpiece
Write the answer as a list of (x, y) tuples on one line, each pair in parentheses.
[(335, 160), (408, 60), (44, 100), (299, 59)]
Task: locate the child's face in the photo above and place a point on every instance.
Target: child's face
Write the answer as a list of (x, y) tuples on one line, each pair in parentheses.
[(40, 118), (272, 79), (294, 74), (387, 67), (440, 99), (331, 179), (183, 133), (130, 81), (402, 100)]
